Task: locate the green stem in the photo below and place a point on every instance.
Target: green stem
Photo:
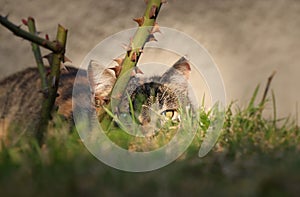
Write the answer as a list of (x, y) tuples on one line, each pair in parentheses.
[(141, 36), (37, 54), (50, 83), (53, 82), (136, 47), (29, 36)]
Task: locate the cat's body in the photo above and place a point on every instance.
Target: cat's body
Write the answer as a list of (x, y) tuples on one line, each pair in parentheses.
[(21, 98)]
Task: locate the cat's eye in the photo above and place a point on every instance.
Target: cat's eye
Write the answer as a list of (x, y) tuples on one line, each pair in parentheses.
[(170, 114)]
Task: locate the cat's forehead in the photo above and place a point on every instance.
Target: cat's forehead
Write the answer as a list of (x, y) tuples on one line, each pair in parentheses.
[(141, 79)]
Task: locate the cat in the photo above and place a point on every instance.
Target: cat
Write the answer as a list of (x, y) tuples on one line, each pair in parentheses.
[(150, 97), (154, 100)]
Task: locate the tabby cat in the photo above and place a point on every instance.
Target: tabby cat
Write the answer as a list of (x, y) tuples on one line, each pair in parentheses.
[(153, 99)]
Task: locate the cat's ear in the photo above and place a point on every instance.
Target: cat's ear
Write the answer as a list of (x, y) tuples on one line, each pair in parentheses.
[(101, 81), (176, 78), (178, 72), (183, 67)]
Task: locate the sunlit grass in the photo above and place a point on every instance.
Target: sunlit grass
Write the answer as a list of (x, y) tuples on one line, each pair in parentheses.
[(254, 156)]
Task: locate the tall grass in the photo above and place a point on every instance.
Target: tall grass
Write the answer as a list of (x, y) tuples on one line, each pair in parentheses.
[(254, 156)]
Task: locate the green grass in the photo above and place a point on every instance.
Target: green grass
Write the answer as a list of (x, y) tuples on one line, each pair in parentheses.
[(254, 156)]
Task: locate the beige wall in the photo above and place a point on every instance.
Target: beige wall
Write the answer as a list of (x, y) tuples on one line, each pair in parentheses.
[(248, 39)]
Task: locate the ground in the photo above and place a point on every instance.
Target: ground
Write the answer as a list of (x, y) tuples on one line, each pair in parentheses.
[(247, 39)]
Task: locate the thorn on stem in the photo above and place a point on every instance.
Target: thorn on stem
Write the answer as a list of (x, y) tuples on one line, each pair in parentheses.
[(31, 18), (24, 21), (137, 70), (151, 38), (140, 21), (134, 56), (119, 61), (155, 28), (47, 37), (153, 12), (63, 67), (133, 73), (128, 52), (66, 59), (49, 58)]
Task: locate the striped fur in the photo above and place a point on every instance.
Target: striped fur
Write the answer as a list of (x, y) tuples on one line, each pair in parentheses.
[(21, 98)]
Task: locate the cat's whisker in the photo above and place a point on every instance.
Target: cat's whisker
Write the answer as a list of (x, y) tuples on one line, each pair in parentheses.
[(163, 95)]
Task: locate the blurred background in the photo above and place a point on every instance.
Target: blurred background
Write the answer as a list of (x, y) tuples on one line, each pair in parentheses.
[(248, 40)]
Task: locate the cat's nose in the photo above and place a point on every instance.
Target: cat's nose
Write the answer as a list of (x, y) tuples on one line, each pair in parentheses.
[(149, 130)]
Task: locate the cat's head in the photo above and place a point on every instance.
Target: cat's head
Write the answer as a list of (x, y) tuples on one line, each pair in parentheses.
[(154, 99)]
